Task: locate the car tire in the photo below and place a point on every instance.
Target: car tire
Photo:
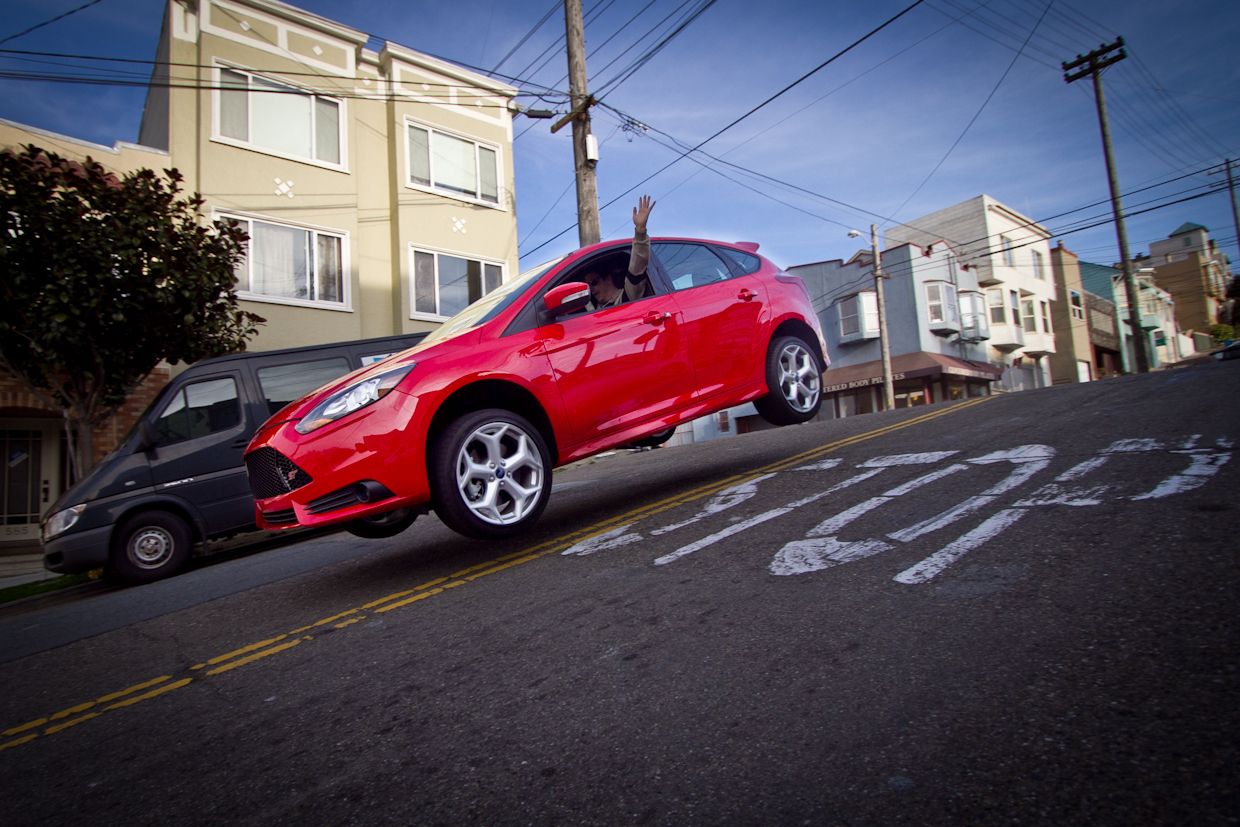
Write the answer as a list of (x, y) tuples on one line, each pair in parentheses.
[(383, 525), (149, 546), (490, 474), (653, 440), (794, 382)]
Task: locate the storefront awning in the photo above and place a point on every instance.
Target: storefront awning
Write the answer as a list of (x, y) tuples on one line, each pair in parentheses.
[(907, 366)]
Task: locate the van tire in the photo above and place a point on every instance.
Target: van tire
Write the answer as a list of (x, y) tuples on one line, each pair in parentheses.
[(149, 546), (470, 497), (382, 525)]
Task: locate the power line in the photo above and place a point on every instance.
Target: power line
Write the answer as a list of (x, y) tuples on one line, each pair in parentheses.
[(773, 97), (50, 21)]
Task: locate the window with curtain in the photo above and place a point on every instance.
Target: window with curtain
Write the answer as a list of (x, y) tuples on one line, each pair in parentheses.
[(278, 118), (451, 164), (444, 285), (286, 262)]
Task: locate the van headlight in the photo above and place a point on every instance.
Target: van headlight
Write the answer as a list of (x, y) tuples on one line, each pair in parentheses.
[(351, 398), (62, 521)]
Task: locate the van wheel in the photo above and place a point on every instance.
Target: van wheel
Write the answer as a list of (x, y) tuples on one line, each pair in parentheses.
[(149, 546), (382, 525), (794, 380), (490, 474)]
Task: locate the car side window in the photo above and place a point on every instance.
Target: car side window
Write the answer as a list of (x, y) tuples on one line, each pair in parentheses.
[(200, 409), (744, 263), (282, 384), (690, 265)]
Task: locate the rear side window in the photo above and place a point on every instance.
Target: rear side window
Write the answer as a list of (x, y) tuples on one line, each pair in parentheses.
[(691, 265), (745, 263), (283, 384), (200, 409)]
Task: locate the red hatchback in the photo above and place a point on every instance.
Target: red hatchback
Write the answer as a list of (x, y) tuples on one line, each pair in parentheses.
[(472, 420)]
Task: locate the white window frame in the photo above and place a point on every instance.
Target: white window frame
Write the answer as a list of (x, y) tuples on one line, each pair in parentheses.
[(448, 192), (1039, 272), (941, 295), (1029, 315), (1009, 250), (244, 292), (865, 305), (1076, 304), (974, 315), (218, 136), (1045, 307), (996, 300), (437, 316)]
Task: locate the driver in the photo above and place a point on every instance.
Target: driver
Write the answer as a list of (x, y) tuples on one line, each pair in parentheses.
[(609, 290)]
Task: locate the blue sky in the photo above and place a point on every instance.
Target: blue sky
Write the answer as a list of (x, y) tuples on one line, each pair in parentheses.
[(956, 98)]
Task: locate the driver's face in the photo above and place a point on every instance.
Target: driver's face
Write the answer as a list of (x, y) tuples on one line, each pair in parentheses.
[(602, 290)]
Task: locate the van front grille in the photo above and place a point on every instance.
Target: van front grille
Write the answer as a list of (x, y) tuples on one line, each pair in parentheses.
[(272, 474)]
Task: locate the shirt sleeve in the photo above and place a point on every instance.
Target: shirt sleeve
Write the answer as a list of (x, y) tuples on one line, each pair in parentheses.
[(637, 282)]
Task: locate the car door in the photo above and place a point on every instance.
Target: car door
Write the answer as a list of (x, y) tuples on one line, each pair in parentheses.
[(723, 312), (620, 366), (200, 436)]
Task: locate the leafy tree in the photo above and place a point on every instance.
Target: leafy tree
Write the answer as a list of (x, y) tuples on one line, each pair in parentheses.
[(102, 277)]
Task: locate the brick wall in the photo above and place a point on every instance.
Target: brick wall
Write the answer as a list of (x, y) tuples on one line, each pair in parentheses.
[(16, 401)]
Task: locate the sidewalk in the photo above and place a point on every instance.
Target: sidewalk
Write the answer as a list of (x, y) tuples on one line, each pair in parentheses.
[(16, 569)]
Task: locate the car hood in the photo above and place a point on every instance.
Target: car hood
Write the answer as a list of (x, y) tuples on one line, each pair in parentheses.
[(418, 354)]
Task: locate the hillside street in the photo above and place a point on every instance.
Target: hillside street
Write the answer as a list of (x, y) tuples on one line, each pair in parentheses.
[(1018, 609)]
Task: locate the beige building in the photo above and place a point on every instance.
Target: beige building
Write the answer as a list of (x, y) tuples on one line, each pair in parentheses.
[(1086, 338), (375, 182), (1189, 266), (1010, 255)]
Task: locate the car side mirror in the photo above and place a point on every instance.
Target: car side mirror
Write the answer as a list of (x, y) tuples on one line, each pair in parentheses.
[(147, 437), (567, 298)]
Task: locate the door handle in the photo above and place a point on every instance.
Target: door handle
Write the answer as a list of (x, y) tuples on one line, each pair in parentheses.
[(746, 295), (656, 318)]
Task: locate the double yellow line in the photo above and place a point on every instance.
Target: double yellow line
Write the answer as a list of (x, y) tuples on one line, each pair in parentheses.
[(254, 652)]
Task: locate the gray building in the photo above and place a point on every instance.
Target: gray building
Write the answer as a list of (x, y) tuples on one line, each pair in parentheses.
[(937, 326)]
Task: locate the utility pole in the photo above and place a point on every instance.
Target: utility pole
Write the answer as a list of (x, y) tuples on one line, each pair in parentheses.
[(1094, 63), (889, 396), (1235, 215), (585, 150)]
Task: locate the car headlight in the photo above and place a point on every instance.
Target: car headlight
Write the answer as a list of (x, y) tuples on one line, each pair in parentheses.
[(62, 521), (351, 398)]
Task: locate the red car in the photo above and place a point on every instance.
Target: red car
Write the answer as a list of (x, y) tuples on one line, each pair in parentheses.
[(472, 420)]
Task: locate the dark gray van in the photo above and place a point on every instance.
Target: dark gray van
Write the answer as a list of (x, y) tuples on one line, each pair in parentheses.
[(177, 482)]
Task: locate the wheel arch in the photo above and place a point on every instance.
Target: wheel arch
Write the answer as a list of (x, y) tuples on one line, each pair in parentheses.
[(493, 393), (799, 328), (173, 506)]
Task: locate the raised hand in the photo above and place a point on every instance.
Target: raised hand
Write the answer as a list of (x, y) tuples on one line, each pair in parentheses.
[(641, 213)]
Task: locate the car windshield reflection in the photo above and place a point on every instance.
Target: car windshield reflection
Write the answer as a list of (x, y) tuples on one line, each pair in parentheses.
[(489, 305)]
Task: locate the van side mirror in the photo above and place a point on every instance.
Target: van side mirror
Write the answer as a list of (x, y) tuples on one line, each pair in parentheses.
[(147, 437), (567, 298)]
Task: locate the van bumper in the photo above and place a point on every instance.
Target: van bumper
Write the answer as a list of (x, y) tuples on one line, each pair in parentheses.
[(77, 551)]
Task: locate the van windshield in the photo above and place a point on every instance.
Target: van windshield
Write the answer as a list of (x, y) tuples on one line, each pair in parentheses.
[(490, 305)]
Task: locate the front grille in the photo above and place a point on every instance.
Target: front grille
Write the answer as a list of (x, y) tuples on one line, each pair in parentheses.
[(283, 517), (272, 474)]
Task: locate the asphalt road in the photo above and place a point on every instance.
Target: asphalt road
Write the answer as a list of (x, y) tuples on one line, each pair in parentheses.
[(1018, 610)]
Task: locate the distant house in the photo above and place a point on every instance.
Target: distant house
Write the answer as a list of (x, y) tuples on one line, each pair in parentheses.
[(1086, 337), (937, 324), (1189, 266), (375, 182), (1156, 313), (1009, 256)]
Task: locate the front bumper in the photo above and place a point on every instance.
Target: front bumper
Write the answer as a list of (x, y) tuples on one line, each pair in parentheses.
[(368, 463), (77, 551)]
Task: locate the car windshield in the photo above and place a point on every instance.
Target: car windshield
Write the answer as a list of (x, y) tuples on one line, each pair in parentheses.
[(487, 307)]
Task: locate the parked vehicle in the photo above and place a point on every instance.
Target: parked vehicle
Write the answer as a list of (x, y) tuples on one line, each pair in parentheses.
[(177, 482), (472, 420)]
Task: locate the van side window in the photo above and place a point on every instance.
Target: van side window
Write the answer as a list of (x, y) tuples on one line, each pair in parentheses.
[(200, 409), (690, 265), (283, 384)]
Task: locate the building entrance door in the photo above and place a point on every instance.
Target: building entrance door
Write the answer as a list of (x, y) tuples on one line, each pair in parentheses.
[(30, 473)]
